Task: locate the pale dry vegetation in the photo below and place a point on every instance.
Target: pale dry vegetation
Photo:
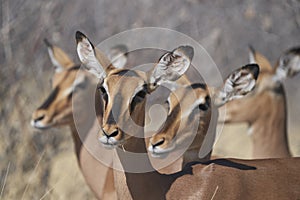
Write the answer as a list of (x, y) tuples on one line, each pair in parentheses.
[(38, 164)]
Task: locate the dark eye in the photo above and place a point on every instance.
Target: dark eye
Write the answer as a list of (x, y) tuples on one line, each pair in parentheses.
[(102, 90), (206, 105), (167, 106), (285, 60), (203, 107), (70, 96), (103, 94), (139, 97)]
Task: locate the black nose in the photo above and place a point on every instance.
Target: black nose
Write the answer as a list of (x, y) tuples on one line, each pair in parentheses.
[(39, 118), (160, 142), (113, 134)]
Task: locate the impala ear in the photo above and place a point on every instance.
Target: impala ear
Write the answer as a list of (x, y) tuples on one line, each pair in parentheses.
[(58, 57), (238, 84), (118, 56), (288, 64), (172, 65), (92, 58), (257, 58)]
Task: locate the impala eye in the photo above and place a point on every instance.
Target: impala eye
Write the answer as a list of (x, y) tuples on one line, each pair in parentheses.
[(285, 61), (140, 95), (167, 106), (70, 96), (203, 107), (103, 94), (206, 105), (138, 98), (102, 90)]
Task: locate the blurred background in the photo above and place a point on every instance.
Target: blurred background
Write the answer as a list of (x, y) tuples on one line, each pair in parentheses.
[(42, 165)]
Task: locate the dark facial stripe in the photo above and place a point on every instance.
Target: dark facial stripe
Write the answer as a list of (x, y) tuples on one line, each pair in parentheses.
[(295, 50), (50, 99), (199, 85), (76, 67)]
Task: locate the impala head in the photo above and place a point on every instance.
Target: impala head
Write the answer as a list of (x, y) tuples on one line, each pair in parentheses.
[(68, 81), (288, 64), (269, 91), (57, 108), (192, 106), (186, 105), (124, 91)]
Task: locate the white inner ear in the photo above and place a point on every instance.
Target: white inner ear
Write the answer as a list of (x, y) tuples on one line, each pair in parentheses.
[(117, 58), (280, 74), (282, 71), (104, 85), (169, 104), (87, 56), (251, 58), (294, 64), (119, 61), (169, 68), (181, 65), (235, 87), (244, 84), (58, 67)]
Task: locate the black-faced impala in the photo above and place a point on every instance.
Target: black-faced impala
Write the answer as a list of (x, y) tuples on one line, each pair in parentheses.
[(265, 109), (69, 83), (124, 93)]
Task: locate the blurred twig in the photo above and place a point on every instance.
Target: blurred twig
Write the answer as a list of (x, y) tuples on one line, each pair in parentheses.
[(31, 176), (5, 179), (5, 30)]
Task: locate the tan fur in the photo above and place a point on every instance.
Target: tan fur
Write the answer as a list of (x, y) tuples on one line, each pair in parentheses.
[(221, 179), (266, 113), (182, 127), (60, 112), (237, 179), (62, 57)]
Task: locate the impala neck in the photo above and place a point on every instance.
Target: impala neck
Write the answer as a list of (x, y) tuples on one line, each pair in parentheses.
[(82, 128), (76, 139), (137, 185), (269, 132)]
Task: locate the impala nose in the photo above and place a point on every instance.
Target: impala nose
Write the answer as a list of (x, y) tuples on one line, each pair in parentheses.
[(39, 118), (158, 143), (111, 134)]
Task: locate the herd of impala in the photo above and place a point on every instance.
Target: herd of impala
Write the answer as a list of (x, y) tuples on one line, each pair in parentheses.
[(253, 93)]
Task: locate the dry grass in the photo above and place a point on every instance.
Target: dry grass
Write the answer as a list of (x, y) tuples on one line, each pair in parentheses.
[(42, 165)]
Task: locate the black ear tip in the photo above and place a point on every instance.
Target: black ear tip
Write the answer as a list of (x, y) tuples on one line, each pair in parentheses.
[(46, 41), (79, 36), (294, 50), (253, 68), (188, 51)]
